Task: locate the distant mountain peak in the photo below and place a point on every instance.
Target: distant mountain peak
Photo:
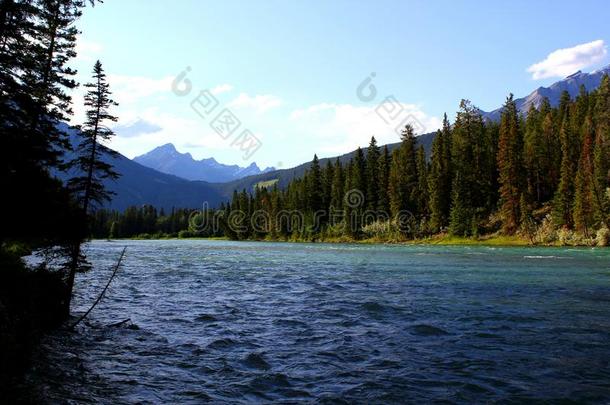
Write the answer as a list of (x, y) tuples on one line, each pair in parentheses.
[(166, 147), (574, 74), (571, 84), (167, 159)]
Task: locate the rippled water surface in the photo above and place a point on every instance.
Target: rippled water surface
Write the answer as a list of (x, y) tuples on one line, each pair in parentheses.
[(216, 321)]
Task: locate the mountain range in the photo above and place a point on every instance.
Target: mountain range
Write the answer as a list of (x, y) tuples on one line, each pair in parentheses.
[(167, 178), (167, 159), (571, 84), (140, 185)]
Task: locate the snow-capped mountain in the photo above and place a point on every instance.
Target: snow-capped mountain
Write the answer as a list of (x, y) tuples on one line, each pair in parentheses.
[(167, 159)]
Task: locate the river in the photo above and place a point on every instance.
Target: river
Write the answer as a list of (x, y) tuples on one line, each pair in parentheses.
[(220, 321)]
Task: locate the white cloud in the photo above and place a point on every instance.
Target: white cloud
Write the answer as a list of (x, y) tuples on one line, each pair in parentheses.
[(135, 128), (88, 51), (188, 130), (221, 88), (258, 103), (342, 127), (563, 62), (128, 89)]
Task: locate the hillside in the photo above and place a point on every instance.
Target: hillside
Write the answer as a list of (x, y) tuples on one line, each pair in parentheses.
[(139, 185)]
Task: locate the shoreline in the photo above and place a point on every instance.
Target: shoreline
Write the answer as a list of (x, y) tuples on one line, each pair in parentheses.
[(437, 240)]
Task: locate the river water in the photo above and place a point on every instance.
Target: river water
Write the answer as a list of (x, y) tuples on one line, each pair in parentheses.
[(219, 321)]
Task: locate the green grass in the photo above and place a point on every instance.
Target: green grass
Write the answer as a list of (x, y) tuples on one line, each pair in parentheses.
[(490, 240), (265, 184)]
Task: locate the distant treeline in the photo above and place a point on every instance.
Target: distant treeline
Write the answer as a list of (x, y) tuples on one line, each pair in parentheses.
[(148, 222), (544, 177)]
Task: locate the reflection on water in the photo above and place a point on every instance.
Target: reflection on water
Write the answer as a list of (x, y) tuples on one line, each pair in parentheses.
[(240, 322)]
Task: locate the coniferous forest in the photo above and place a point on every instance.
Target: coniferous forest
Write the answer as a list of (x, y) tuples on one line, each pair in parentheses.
[(543, 178), (46, 216)]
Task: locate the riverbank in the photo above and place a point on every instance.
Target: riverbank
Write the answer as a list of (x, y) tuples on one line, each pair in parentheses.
[(449, 240), (30, 305), (439, 239)]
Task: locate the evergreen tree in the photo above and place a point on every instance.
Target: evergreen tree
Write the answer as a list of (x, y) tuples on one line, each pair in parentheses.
[(48, 78), (403, 178), (563, 109), (422, 184), (385, 161), (533, 156), (89, 187), (327, 178), (510, 166), (551, 155), (471, 167), (336, 200), (564, 196), (460, 217), (584, 200), (358, 175), (440, 178), (435, 187), (372, 175), (314, 187)]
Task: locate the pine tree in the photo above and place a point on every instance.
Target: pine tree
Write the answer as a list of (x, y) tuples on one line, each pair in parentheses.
[(358, 179), (564, 196), (563, 109), (551, 155), (47, 76), (336, 200), (584, 200), (472, 169), (403, 174), (327, 178), (383, 204), (354, 199), (510, 166), (581, 110), (314, 187), (422, 184), (533, 157), (89, 187), (372, 175), (460, 217), (439, 180)]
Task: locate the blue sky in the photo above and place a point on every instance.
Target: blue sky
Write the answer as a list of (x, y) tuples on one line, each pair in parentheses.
[(289, 70)]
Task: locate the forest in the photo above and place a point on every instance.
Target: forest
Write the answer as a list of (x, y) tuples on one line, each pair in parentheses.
[(543, 178)]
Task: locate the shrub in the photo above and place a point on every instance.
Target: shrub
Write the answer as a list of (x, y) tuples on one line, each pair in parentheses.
[(185, 234), (546, 232), (377, 229), (603, 237)]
